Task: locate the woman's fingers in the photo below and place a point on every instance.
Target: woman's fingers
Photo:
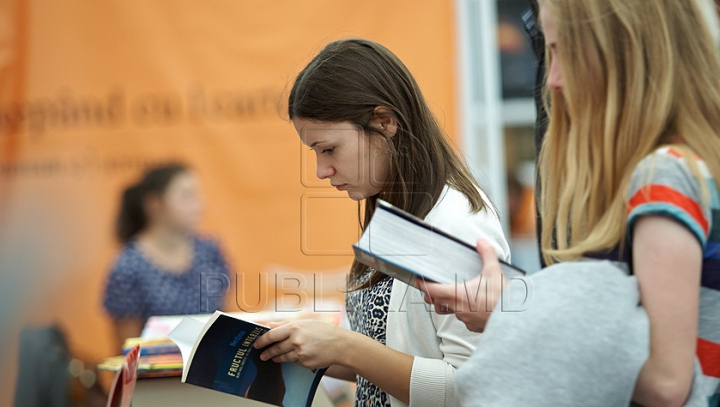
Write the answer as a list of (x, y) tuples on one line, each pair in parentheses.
[(468, 296), (442, 296), (289, 357), (443, 309), (276, 324), (279, 349), (274, 335), (435, 292), (472, 323), (488, 256)]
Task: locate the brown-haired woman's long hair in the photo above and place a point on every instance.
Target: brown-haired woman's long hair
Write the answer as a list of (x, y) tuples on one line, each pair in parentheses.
[(637, 74), (346, 81), (131, 219)]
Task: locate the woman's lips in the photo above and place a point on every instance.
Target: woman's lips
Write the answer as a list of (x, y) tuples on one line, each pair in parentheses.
[(340, 187)]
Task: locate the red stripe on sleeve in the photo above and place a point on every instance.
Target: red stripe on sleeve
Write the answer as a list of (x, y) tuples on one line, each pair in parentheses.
[(664, 194), (708, 354)]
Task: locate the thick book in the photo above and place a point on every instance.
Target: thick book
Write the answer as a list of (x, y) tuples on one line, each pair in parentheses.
[(405, 247), (219, 355)]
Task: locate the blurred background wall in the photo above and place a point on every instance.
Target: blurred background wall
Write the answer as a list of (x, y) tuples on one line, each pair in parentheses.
[(91, 93)]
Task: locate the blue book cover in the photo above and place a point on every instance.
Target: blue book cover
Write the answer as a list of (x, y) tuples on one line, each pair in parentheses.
[(219, 355)]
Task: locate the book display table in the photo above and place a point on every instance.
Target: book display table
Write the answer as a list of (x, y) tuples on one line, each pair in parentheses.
[(168, 391)]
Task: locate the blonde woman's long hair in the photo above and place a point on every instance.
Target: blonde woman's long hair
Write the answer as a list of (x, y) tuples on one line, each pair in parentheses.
[(637, 74)]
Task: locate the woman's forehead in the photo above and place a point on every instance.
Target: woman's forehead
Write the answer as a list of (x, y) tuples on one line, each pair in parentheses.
[(312, 131)]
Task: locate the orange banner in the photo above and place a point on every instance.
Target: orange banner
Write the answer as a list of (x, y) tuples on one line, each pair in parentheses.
[(93, 92)]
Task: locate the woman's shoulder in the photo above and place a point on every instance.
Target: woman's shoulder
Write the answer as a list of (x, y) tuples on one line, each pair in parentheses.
[(453, 214), (206, 242), (671, 159), (673, 168), (453, 203), (128, 260), (128, 253), (207, 247)]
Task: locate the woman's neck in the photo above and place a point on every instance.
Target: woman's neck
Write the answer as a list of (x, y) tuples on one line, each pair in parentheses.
[(164, 238), (167, 249)]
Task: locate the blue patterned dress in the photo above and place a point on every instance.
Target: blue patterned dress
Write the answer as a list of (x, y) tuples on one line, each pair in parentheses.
[(138, 288), (367, 311)]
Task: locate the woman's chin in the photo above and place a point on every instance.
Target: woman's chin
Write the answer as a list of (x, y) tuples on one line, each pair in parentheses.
[(355, 196)]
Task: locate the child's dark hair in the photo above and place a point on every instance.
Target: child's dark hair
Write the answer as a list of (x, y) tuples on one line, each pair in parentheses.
[(132, 218), (347, 81)]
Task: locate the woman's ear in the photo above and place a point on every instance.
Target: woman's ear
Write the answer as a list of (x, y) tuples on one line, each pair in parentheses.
[(384, 120)]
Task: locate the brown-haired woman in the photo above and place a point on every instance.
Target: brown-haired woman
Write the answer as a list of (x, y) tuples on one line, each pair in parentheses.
[(164, 268), (359, 108)]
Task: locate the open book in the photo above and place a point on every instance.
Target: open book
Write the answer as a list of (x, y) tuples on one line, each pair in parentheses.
[(405, 247), (219, 355)]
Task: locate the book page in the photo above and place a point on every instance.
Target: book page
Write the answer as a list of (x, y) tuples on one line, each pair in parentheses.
[(185, 335)]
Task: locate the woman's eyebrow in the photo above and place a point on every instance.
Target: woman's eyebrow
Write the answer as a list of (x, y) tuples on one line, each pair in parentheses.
[(316, 143)]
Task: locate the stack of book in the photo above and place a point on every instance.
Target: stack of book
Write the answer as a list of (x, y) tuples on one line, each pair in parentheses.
[(158, 358)]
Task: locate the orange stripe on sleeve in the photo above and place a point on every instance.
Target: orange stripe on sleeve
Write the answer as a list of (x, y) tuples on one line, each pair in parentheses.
[(664, 194)]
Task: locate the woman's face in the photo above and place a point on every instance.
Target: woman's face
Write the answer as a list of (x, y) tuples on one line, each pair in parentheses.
[(180, 205), (353, 161), (554, 75)]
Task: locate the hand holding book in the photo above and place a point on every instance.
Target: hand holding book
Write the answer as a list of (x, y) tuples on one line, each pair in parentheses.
[(406, 247), (471, 301), (310, 344), (220, 355), (456, 277)]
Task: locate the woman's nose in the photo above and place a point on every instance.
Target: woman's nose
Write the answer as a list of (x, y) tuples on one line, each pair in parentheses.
[(554, 79), (324, 171)]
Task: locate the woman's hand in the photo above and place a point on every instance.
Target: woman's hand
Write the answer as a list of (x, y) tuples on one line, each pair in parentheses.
[(310, 344), (316, 345), (471, 301)]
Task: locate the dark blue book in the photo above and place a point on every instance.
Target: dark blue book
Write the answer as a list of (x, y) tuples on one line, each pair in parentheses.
[(220, 355)]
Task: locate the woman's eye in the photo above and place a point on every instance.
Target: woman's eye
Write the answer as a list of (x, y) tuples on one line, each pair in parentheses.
[(327, 150)]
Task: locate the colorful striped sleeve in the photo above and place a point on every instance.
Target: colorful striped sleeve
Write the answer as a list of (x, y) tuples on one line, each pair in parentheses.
[(663, 185)]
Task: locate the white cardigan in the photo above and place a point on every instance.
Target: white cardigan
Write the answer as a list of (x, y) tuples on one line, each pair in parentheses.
[(439, 343)]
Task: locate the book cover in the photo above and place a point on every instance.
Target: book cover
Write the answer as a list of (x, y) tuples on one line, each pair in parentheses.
[(123, 385), (219, 355)]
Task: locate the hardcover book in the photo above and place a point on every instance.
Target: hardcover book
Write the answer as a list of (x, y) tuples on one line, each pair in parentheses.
[(405, 247)]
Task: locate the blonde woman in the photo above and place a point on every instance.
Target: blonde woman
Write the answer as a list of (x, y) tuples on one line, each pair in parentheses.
[(629, 170)]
